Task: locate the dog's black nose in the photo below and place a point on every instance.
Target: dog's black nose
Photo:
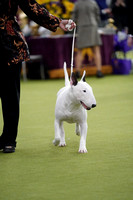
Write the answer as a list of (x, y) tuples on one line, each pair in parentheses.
[(93, 105)]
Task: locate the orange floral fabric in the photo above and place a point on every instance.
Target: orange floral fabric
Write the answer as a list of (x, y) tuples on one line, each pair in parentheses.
[(12, 41)]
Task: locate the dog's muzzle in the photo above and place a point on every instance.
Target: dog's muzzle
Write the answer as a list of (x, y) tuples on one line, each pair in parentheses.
[(86, 107)]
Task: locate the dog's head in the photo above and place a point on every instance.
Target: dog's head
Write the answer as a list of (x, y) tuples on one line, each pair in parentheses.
[(82, 92)]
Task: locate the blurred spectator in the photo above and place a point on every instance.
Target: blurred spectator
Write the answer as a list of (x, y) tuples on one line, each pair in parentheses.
[(24, 24), (130, 41), (30, 28), (34, 28), (130, 15), (105, 11), (108, 2), (119, 12), (86, 14), (43, 32)]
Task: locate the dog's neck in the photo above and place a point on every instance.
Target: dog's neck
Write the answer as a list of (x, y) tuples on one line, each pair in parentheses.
[(70, 100)]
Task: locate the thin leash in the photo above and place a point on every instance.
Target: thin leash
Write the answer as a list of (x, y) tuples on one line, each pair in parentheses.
[(72, 55)]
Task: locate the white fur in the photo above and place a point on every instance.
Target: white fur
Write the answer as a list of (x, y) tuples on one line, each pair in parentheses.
[(69, 108)]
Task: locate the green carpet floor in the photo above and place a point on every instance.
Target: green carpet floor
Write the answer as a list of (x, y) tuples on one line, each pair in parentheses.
[(40, 171)]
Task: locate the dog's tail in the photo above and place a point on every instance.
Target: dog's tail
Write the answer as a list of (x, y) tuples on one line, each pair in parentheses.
[(67, 82)]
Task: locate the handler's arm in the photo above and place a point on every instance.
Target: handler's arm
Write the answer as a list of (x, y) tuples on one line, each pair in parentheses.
[(39, 14)]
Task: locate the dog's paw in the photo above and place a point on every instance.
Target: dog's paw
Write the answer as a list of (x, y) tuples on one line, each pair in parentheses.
[(62, 144), (56, 141), (83, 150)]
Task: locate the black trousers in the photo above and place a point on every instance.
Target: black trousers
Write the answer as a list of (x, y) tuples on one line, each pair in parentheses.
[(10, 98)]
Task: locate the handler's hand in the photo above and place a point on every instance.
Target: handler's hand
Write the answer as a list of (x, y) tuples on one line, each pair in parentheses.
[(63, 24)]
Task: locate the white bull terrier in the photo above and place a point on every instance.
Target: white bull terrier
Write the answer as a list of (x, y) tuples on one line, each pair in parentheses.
[(72, 104)]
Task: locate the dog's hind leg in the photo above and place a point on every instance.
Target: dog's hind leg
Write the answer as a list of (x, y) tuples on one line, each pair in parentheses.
[(62, 136), (56, 141), (77, 129)]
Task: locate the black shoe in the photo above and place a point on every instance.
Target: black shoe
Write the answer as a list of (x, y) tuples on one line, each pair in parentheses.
[(99, 74), (9, 149), (1, 145)]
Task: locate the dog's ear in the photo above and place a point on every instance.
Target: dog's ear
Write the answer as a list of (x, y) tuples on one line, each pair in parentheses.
[(83, 77), (73, 79)]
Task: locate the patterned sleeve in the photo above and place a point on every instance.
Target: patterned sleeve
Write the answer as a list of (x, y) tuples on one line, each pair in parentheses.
[(39, 14)]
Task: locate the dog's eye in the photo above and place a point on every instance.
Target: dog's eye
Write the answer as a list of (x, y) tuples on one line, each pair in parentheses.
[(84, 90)]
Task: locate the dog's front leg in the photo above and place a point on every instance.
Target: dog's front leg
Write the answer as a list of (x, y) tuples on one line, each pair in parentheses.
[(82, 146)]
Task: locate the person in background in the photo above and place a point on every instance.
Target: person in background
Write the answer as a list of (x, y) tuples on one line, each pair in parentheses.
[(86, 14), (105, 11), (13, 51), (129, 4), (24, 24), (119, 12), (34, 28), (43, 32), (130, 40), (108, 3)]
